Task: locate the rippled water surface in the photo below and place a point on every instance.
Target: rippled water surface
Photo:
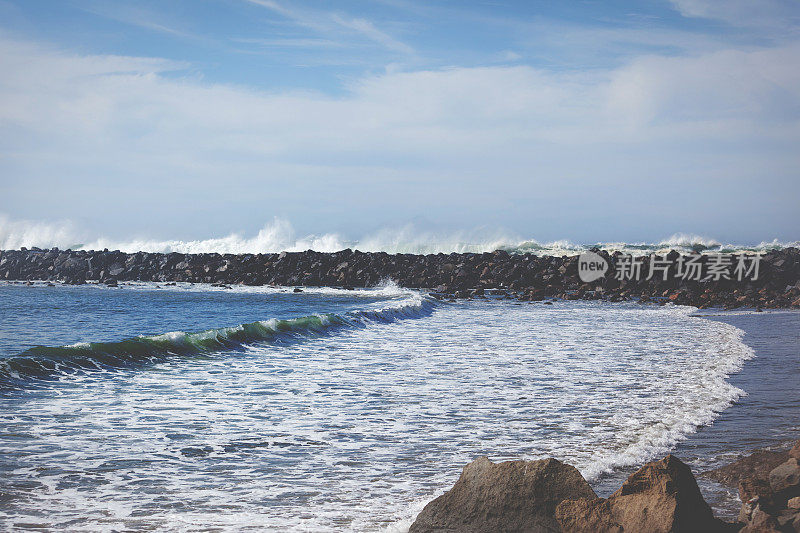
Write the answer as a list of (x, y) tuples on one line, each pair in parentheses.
[(349, 420)]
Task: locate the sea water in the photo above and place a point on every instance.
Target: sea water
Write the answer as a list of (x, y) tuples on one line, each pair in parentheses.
[(192, 407)]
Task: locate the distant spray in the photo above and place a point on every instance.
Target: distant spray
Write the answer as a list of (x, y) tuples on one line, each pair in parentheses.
[(278, 235)]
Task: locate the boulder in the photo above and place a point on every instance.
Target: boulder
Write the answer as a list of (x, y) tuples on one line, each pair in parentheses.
[(789, 520), (761, 522), (752, 492), (771, 501), (513, 496), (662, 496), (587, 516), (757, 465), (785, 479), (795, 451)]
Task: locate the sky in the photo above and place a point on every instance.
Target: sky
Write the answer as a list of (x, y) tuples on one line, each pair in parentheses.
[(592, 121)]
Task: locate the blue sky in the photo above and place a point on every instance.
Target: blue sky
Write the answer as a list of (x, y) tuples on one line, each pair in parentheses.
[(590, 121)]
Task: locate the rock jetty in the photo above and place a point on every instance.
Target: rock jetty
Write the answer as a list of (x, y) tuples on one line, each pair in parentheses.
[(459, 275), (661, 497)]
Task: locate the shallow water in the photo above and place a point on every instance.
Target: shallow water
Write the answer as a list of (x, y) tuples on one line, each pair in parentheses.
[(351, 421), (767, 417)]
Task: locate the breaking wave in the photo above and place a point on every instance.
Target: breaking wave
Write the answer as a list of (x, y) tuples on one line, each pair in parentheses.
[(50, 363), (279, 236)]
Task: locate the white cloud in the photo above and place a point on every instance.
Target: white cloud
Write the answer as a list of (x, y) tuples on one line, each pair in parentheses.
[(720, 89), (742, 12), (131, 132), (119, 102)]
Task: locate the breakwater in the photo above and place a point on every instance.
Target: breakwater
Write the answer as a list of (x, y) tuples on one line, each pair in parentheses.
[(774, 284)]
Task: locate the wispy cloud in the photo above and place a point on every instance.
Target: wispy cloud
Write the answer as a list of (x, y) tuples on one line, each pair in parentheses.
[(292, 42), (368, 30), (764, 13), (332, 23), (136, 16)]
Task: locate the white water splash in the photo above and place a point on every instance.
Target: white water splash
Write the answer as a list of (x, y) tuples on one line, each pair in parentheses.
[(279, 235)]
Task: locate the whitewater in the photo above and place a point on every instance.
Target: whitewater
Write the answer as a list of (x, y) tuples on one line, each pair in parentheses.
[(279, 236), (189, 406)]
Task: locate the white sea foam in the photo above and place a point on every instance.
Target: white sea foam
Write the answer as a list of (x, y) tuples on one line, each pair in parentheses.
[(385, 289), (356, 431), (688, 240), (279, 235)]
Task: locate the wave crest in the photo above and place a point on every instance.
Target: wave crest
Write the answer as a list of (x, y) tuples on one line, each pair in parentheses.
[(280, 236), (44, 363)]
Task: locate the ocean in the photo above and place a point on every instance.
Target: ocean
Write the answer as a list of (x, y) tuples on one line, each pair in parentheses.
[(185, 407)]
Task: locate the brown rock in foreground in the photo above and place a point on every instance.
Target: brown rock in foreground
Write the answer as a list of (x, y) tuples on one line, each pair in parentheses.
[(756, 465), (587, 516), (784, 479), (514, 496), (769, 487), (547, 495), (662, 496)]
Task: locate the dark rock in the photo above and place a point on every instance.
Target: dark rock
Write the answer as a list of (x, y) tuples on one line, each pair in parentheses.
[(770, 496), (795, 451), (526, 276), (755, 491), (761, 522), (756, 465), (513, 496), (788, 520)]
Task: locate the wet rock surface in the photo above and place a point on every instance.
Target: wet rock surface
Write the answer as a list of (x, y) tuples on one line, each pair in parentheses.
[(756, 465), (769, 487), (662, 496), (525, 277)]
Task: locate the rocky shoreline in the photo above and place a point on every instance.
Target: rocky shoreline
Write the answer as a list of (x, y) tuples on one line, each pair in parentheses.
[(525, 277), (662, 496)]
